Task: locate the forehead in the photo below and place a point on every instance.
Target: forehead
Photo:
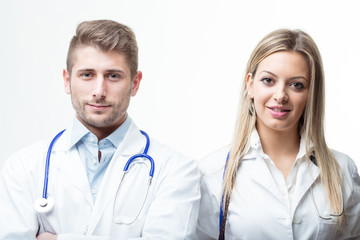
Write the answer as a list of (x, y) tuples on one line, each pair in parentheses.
[(285, 62), (95, 58)]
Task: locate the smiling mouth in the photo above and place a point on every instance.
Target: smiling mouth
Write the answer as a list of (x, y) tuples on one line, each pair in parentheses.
[(279, 109), (98, 107)]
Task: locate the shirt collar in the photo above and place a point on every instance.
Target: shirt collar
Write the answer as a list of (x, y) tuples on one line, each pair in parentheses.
[(256, 147), (79, 131), (255, 142), (302, 149), (118, 135)]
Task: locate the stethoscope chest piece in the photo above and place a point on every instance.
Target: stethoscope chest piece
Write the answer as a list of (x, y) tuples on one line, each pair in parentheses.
[(43, 205)]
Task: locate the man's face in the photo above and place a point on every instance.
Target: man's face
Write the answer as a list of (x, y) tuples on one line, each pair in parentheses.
[(100, 86)]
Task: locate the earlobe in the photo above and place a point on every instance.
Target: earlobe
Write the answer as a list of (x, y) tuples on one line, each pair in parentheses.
[(136, 83), (66, 81), (249, 84)]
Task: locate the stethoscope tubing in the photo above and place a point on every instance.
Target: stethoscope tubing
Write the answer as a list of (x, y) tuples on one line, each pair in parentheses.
[(47, 164), (43, 202), (221, 215), (141, 155)]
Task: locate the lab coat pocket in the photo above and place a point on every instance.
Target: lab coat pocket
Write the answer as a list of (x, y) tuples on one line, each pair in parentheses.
[(131, 197), (326, 229)]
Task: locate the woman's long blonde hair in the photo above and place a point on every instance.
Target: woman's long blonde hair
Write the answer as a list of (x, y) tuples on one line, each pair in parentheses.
[(312, 119)]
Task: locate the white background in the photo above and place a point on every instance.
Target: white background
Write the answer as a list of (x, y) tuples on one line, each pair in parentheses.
[(193, 55)]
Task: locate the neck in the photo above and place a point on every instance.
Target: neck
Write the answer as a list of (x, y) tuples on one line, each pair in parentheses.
[(274, 141), (281, 146), (102, 132)]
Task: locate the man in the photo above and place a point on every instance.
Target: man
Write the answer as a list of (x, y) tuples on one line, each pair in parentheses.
[(90, 198)]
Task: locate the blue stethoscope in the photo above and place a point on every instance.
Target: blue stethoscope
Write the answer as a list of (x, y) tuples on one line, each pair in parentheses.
[(330, 217), (46, 204)]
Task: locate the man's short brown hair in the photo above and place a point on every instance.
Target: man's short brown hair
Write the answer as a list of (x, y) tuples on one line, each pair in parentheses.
[(106, 35)]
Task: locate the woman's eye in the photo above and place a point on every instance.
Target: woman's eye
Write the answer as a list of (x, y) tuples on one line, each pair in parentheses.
[(297, 85), (267, 81)]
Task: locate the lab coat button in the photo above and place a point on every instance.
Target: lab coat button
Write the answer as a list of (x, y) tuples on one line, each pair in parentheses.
[(297, 220), (93, 191)]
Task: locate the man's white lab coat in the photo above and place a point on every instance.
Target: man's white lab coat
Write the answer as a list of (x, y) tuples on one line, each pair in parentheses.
[(170, 210)]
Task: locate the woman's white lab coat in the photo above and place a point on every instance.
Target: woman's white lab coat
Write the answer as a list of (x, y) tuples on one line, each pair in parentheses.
[(170, 210), (258, 210)]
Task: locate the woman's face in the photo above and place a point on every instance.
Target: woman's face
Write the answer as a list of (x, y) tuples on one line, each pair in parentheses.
[(280, 89)]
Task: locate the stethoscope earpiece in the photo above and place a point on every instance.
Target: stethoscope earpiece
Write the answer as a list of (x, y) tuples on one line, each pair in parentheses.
[(43, 205)]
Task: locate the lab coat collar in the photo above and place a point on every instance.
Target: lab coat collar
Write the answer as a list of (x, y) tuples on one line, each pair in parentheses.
[(307, 174), (307, 170)]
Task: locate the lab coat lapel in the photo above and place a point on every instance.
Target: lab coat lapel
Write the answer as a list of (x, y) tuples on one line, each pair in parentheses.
[(133, 143), (306, 176), (260, 173), (69, 166)]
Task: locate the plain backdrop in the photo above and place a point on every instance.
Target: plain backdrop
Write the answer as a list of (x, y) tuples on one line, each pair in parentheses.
[(193, 55)]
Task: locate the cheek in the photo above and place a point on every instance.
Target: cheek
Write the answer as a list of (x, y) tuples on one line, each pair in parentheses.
[(261, 96), (301, 103), (81, 89), (121, 93)]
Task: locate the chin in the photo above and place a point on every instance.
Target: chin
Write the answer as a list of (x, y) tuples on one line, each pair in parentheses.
[(282, 127)]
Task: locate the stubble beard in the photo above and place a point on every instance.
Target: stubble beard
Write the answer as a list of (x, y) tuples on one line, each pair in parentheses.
[(115, 114)]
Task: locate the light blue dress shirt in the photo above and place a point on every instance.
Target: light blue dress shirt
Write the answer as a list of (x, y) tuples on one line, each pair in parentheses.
[(88, 148)]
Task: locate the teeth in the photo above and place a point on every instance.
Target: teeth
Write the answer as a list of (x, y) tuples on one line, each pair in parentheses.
[(279, 110)]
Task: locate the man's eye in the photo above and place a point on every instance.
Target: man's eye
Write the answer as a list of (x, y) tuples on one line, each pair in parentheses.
[(113, 76), (86, 75)]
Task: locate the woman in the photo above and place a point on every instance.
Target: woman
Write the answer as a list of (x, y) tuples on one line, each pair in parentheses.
[(280, 180)]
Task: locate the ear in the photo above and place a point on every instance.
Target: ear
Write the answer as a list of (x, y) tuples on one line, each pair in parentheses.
[(136, 83), (66, 81), (249, 85)]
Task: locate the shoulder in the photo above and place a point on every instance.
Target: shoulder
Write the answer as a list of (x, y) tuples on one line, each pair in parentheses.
[(31, 151), (160, 152), (349, 172), (167, 156), (214, 162), (26, 158), (347, 165), (163, 150)]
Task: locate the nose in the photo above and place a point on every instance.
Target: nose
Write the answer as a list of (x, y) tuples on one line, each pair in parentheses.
[(280, 95), (99, 89)]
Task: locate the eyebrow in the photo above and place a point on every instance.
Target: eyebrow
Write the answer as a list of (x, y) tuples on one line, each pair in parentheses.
[(84, 69), (107, 70), (274, 75)]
